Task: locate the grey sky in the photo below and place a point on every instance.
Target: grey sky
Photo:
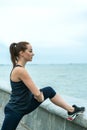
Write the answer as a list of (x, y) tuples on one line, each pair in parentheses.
[(58, 27)]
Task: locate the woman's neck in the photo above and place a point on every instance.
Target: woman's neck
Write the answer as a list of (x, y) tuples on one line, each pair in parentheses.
[(21, 63)]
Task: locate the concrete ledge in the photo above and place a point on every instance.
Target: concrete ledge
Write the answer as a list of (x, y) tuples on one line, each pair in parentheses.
[(80, 120), (50, 117), (41, 119)]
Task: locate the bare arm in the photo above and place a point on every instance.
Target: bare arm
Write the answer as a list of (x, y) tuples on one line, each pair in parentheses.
[(25, 77)]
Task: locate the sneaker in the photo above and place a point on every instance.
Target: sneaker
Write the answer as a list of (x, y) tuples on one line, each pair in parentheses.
[(77, 111)]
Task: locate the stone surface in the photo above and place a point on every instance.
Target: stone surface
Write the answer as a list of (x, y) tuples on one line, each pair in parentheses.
[(48, 116)]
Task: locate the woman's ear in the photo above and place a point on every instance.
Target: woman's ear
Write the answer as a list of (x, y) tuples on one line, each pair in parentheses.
[(21, 53)]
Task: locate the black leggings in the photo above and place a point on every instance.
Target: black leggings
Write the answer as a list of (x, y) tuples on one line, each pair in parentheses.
[(12, 118)]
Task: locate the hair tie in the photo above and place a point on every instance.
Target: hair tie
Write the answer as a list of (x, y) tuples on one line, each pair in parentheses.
[(15, 45)]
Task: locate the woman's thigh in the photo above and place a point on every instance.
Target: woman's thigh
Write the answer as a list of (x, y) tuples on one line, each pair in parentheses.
[(11, 120), (48, 92)]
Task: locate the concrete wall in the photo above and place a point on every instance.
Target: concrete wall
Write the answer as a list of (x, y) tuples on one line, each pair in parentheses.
[(50, 117)]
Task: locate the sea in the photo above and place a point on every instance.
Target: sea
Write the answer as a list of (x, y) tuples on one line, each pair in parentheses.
[(66, 79)]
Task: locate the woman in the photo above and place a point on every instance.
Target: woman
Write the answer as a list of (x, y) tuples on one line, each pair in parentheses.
[(26, 96)]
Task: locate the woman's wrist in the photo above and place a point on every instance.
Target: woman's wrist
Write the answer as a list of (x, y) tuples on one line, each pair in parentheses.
[(38, 94), (40, 97)]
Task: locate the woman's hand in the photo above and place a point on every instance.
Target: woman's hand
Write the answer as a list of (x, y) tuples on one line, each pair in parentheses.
[(40, 98)]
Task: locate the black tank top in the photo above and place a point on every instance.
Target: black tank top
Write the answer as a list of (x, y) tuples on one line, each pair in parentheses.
[(20, 97)]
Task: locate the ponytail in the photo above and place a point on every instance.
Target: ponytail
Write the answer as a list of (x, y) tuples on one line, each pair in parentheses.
[(13, 53)]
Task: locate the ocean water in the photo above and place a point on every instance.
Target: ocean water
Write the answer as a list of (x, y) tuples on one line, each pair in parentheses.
[(66, 79)]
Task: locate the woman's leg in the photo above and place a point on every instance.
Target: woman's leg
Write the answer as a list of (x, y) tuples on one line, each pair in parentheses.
[(56, 99), (72, 111), (49, 92), (11, 120), (59, 101)]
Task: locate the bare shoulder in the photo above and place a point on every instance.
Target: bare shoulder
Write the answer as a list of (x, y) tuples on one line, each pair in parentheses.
[(17, 69), (17, 73), (20, 70)]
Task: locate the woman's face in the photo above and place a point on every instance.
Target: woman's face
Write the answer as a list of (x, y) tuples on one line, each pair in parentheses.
[(28, 53)]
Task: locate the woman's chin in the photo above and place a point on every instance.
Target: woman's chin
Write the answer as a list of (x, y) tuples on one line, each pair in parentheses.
[(30, 60)]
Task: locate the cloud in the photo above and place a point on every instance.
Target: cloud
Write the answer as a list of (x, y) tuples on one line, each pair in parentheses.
[(42, 22), (61, 25)]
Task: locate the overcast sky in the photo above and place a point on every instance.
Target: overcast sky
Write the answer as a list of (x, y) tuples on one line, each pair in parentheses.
[(57, 29)]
